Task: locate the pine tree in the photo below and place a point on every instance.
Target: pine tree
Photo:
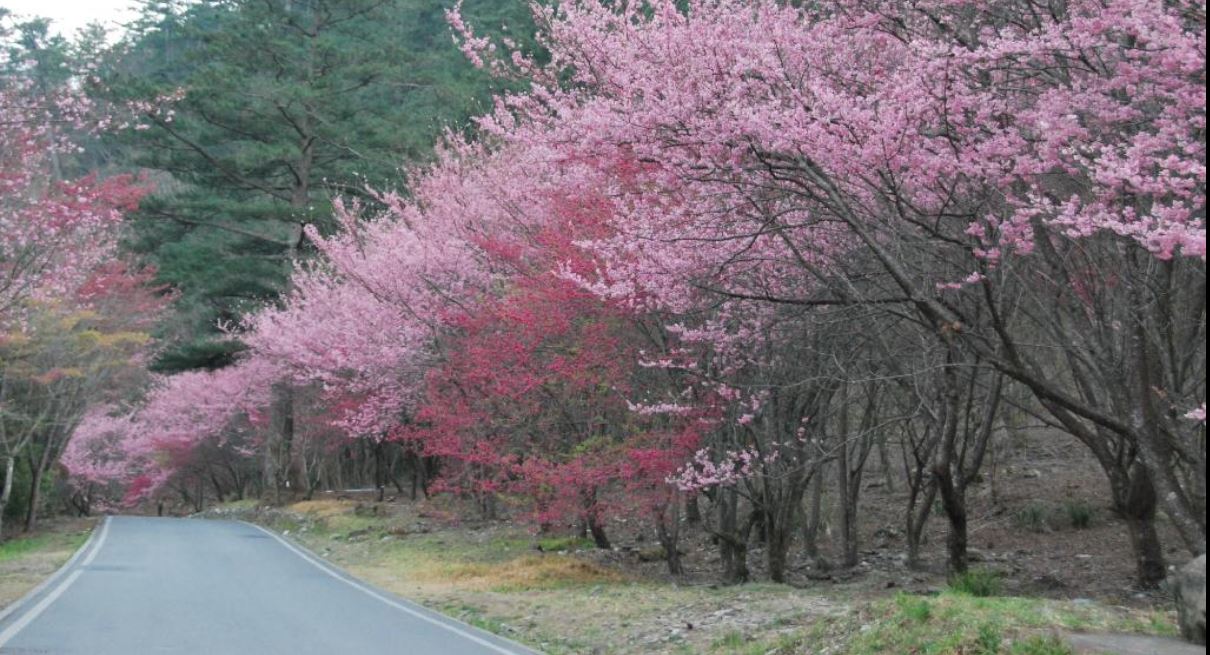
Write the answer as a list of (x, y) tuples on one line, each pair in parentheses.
[(286, 105)]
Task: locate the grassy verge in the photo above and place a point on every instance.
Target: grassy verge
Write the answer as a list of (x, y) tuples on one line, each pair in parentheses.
[(956, 622), (27, 560), (552, 595)]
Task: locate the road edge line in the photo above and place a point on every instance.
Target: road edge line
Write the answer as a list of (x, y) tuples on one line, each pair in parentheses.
[(446, 622), (92, 546), (29, 617)]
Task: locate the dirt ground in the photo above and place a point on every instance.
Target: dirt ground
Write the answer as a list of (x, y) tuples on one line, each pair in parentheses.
[(1019, 527)]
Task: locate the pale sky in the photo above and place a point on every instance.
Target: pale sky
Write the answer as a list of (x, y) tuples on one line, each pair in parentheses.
[(70, 15)]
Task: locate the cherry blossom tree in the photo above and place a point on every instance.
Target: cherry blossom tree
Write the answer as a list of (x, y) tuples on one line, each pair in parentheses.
[(933, 158), (141, 452), (53, 231), (73, 317), (65, 356), (718, 248)]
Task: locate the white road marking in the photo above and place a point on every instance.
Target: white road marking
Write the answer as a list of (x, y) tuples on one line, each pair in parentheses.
[(34, 612), (370, 592), (100, 540), (17, 626), (4, 614)]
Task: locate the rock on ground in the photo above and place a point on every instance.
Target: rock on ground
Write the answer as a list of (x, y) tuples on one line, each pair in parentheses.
[(1190, 587), (1092, 644)]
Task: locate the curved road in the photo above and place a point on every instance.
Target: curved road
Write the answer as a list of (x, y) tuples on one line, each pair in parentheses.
[(200, 587)]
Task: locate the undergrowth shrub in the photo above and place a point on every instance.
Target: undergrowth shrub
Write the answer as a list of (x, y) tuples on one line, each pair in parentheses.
[(1080, 515), (1033, 517), (980, 583), (989, 640), (915, 608)]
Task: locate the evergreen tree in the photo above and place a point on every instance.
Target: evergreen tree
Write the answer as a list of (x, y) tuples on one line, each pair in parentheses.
[(283, 106)]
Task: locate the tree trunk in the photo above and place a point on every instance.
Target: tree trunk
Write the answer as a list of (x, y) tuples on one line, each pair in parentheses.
[(777, 563), (379, 474), (199, 504), (810, 533), (1139, 510), (488, 509), (733, 544), (6, 493), (846, 511), (668, 530), (693, 510), (758, 520), (1150, 569), (278, 453), (427, 472), (598, 532), (884, 460), (1134, 494), (778, 548), (736, 562), (951, 484), (218, 488), (918, 512), (35, 499), (846, 490), (953, 501), (1156, 451), (37, 471)]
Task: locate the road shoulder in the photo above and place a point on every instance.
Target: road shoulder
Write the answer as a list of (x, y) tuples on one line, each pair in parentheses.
[(26, 561), (465, 631)]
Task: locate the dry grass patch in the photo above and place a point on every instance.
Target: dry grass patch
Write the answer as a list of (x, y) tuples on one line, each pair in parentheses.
[(523, 573), (323, 508)]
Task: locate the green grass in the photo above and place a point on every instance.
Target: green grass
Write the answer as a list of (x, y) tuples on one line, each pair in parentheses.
[(1080, 515), (989, 639), (244, 505), (959, 623), (1040, 517), (980, 583), (1037, 645), (22, 546), (737, 643), (14, 548), (1034, 517), (730, 642), (474, 616), (569, 544), (916, 608)]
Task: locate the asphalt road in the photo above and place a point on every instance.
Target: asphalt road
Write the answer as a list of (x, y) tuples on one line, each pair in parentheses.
[(182, 586)]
